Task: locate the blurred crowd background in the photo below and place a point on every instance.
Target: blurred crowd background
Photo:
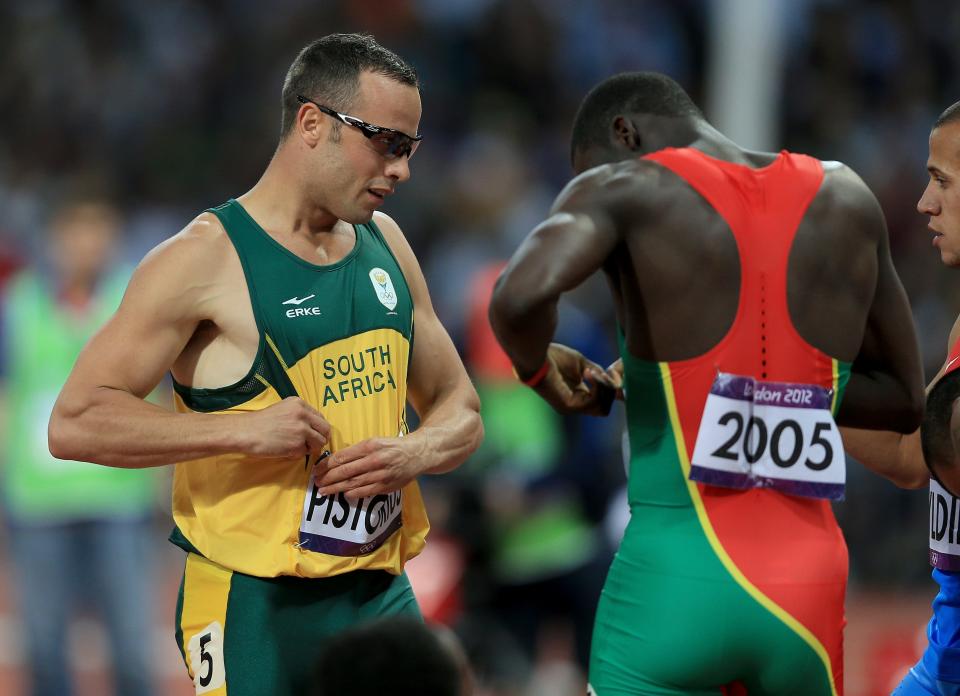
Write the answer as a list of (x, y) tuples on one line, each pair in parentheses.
[(160, 110)]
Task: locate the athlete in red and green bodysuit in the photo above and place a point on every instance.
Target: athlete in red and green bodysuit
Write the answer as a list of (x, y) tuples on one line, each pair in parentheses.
[(756, 303)]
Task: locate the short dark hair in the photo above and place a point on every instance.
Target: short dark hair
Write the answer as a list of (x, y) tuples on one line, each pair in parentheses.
[(398, 654), (634, 92), (328, 70), (949, 115)]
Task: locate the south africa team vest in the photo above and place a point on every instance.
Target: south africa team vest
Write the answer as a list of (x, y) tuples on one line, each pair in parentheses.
[(338, 336)]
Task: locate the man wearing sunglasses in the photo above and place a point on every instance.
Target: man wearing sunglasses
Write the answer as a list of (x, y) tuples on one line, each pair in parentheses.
[(286, 317)]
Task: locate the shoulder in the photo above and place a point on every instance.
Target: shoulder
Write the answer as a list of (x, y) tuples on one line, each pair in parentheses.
[(954, 335), (407, 260), (846, 196), (184, 269), (394, 238), (844, 185), (202, 241), (626, 178), (628, 187)]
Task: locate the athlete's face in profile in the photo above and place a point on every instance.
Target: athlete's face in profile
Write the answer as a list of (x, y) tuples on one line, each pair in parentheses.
[(941, 198), (357, 175)]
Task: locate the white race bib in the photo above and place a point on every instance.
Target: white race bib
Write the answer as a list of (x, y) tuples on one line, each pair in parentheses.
[(206, 658), (944, 528), (757, 434), (333, 525)]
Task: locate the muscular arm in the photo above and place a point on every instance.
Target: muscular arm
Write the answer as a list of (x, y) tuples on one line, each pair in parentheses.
[(560, 253), (893, 455), (438, 387), (101, 415), (440, 391), (885, 391)]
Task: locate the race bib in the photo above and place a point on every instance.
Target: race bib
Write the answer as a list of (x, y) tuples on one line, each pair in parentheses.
[(334, 525), (944, 528), (757, 434), (206, 658)]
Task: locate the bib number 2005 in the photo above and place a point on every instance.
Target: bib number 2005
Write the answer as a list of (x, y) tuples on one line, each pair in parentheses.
[(769, 434), (785, 442)]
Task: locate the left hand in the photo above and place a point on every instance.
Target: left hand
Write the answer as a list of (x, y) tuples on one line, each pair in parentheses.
[(370, 467), (576, 384)]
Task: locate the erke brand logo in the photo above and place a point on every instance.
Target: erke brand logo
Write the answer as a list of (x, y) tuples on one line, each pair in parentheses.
[(301, 311)]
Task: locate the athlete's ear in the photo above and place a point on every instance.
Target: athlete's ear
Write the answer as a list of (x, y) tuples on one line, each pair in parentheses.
[(626, 134), (310, 124)]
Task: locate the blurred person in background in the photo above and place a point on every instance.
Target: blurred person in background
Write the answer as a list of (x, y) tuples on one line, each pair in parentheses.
[(909, 459), (732, 572), (542, 487), (286, 317), (77, 532)]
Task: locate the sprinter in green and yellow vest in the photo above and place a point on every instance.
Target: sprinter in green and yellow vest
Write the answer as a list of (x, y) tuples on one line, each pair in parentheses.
[(297, 326)]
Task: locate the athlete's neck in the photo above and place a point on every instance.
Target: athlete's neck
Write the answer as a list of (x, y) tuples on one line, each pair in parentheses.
[(712, 142), (283, 207)]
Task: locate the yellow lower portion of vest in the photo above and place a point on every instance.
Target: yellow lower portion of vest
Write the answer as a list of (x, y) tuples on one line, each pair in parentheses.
[(244, 512)]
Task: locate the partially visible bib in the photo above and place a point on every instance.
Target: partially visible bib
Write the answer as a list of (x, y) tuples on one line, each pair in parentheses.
[(944, 528)]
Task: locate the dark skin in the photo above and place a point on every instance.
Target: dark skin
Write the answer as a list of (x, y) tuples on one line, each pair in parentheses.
[(673, 270), (935, 444)]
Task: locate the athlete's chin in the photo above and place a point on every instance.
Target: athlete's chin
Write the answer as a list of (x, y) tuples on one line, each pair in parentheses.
[(950, 258), (360, 216)]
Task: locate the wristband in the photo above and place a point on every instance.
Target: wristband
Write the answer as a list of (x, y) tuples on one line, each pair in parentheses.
[(537, 377)]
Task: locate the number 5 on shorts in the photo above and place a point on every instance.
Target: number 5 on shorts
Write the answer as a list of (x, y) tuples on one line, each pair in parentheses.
[(206, 658)]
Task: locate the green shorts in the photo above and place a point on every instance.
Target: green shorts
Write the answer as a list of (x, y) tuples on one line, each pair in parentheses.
[(242, 635)]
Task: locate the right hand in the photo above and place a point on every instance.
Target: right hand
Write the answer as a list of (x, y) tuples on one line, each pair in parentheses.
[(614, 374), (292, 428)]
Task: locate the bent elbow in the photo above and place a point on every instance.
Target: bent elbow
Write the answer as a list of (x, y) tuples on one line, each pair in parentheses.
[(904, 415), (918, 404), (478, 434), (913, 480), (512, 306), (57, 442), (60, 440), (914, 410)]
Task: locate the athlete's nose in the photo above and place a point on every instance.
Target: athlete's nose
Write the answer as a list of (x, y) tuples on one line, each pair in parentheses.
[(927, 205), (398, 169)]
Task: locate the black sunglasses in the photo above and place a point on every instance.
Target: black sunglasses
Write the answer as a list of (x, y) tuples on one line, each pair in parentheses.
[(390, 143)]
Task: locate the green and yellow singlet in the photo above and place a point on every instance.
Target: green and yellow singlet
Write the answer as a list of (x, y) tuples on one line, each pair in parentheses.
[(338, 336)]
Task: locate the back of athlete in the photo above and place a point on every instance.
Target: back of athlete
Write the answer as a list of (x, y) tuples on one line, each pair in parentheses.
[(775, 562), (756, 302)]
